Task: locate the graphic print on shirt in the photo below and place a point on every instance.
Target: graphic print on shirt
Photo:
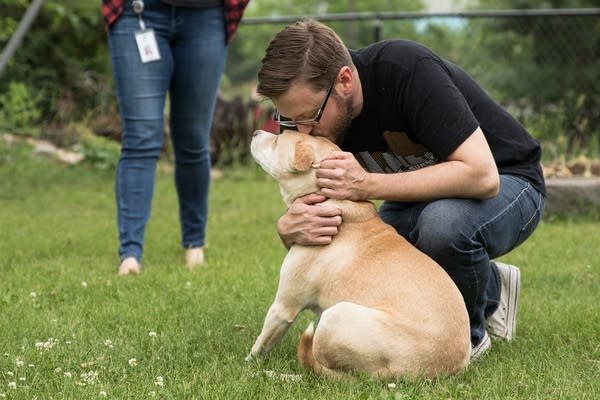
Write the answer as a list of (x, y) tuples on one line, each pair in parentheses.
[(402, 155)]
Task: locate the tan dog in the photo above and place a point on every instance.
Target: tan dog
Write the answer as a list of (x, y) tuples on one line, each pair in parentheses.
[(385, 307)]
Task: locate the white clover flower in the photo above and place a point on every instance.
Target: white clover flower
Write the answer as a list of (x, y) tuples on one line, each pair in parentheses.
[(152, 334), (132, 362), (159, 381), (12, 385), (102, 393), (10, 373), (33, 295), (31, 365), (22, 379), (152, 393), (57, 370), (84, 284), (89, 377), (68, 375), (108, 343), (2, 395), (188, 284), (47, 345), (19, 363)]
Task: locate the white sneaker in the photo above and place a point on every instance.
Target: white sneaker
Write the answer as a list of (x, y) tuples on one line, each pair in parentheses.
[(479, 350), (129, 265), (194, 257), (503, 322)]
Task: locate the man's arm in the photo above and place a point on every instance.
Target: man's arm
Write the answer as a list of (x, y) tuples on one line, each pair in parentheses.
[(469, 172)]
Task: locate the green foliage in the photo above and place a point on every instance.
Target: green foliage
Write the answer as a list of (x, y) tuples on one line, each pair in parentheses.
[(99, 151), (552, 82), (7, 26), (63, 56), (19, 109)]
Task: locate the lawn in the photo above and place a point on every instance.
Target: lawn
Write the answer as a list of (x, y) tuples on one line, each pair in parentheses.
[(70, 328)]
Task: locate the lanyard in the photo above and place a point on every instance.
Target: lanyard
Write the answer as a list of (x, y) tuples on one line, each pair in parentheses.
[(138, 8), (145, 38)]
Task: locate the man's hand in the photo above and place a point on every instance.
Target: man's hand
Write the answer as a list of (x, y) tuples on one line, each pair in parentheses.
[(309, 223), (341, 177)]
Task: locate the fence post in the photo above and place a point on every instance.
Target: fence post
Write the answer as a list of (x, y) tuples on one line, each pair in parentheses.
[(378, 24)]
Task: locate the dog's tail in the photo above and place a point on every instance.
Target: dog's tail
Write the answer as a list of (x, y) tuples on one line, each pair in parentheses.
[(305, 354)]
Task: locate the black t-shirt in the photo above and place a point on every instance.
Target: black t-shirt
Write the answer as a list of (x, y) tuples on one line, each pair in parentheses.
[(418, 108)]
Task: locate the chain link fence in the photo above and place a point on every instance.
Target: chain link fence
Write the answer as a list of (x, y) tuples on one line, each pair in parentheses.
[(543, 65)]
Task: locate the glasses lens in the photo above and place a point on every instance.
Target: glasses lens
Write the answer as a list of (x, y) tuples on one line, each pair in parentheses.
[(284, 121)]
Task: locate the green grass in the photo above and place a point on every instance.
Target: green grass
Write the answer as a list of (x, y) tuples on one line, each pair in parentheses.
[(71, 329)]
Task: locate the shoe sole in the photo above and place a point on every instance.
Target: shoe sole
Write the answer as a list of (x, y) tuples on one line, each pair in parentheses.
[(515, 279), (512, 294), (481, 348)]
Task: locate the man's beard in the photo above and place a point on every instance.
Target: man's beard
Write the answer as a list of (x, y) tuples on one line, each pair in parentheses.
[(339, 127)]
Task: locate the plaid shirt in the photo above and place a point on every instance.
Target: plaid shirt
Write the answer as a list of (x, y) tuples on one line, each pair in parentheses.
[(233, 12)]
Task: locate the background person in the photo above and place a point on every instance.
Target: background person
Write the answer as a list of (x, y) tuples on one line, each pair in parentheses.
[(179, 47), (461, 178)]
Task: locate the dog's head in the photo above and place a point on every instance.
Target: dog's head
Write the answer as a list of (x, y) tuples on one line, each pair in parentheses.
[(291, 158)]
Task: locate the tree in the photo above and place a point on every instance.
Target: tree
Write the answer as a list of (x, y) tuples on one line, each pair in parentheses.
[(554, 73), (63, 62)]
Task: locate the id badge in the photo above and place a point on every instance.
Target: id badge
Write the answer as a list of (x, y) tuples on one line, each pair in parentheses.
[(147, 46)]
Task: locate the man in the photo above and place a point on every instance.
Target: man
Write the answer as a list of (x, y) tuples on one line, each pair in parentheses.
[(460, 177)]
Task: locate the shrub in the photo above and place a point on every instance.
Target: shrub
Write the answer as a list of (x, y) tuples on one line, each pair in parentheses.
[(19, 109)]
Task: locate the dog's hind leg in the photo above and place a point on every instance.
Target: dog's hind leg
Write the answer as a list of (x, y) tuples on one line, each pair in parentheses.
[(351, 337)]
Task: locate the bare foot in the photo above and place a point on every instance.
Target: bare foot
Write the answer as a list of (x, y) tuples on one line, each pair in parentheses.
[(194, 257), (129, 266)]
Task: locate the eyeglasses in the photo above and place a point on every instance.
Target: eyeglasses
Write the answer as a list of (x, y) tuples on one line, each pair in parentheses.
[(290, 123)]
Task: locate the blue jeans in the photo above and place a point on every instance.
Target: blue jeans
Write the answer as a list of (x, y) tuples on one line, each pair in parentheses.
[(193, 50), (464, 235)]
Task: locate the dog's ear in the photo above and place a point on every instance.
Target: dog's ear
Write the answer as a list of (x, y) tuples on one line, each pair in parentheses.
[(303, 156)]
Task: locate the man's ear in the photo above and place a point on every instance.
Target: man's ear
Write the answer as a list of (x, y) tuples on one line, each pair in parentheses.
[(303, 156)]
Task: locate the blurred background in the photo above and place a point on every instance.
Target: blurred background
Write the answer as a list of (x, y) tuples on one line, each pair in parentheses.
[(540, 59)]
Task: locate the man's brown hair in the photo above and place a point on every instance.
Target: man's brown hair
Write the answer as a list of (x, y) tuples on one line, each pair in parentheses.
[(305, 52)]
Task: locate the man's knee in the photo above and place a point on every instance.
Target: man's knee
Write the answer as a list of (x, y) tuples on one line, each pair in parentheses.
[(442, 229)]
